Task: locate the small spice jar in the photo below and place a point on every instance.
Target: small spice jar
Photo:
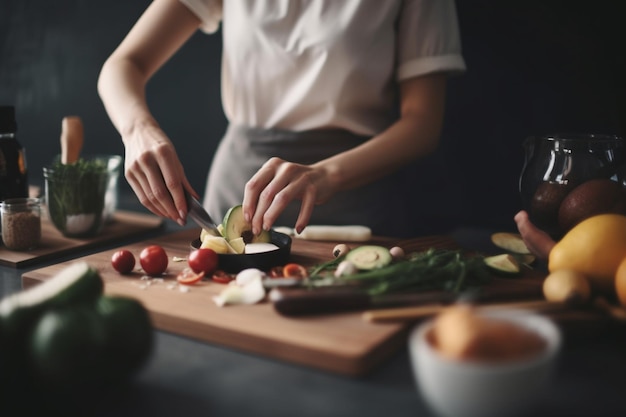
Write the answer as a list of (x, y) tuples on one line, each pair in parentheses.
[(21, 223)]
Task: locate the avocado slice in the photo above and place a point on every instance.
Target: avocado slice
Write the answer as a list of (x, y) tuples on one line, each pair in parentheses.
[(504, 264), (235, 226), (369, 257)]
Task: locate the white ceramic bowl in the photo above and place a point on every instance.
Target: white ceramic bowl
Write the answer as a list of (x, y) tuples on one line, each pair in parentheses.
[(455, 388)]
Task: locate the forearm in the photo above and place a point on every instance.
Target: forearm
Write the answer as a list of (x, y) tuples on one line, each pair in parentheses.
[(413, 136), (121, 86), (404, 142), (158, 34)]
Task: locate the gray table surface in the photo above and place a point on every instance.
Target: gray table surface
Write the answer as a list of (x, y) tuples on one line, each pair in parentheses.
[(189, 378)]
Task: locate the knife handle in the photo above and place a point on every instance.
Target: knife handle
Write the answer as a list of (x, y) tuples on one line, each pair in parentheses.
[(301, 301)]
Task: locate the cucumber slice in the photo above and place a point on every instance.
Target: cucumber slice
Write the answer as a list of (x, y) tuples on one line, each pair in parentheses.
[(235, 226), (503, 264), (369, 257), (511, 242)]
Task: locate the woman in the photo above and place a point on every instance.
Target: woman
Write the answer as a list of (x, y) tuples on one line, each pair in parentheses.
[(327, 101)]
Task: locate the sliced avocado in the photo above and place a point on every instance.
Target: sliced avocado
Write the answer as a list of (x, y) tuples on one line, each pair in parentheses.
[(235, 226), (511, 242), (369, 257), (205, 232), (505, 264), (238, 245)]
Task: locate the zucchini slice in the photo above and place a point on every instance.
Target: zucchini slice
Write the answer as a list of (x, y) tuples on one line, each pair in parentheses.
[(369, 257)]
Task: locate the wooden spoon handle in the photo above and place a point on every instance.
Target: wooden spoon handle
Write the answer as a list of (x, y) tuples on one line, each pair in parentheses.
[(72, 137), (416, 313)]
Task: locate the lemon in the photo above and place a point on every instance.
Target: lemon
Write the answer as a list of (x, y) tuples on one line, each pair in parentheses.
[(566, 286), (594, 247)]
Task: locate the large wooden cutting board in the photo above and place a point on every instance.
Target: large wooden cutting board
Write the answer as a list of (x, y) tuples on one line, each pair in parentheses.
[(123, 225), (340, 343)]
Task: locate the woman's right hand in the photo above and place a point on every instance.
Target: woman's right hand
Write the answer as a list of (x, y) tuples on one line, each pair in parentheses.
[(152, 167), (155, 173)]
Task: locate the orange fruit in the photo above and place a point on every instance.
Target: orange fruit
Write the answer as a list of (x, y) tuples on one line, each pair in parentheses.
[(594, 247), (620, 282)]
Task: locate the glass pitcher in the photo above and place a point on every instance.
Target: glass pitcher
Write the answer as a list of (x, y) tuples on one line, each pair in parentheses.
[(556, 164)]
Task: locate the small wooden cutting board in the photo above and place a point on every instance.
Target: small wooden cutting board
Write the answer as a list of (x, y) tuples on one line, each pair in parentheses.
[(123, 225)]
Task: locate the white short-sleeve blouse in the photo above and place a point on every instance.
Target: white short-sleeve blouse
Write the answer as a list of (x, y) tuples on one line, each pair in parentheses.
[(316, 64)]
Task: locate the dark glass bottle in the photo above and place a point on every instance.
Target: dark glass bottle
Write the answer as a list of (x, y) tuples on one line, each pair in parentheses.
[(13, 171)]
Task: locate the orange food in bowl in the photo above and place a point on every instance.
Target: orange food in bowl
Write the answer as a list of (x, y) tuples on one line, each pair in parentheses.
[(460, 333), (508, 385)]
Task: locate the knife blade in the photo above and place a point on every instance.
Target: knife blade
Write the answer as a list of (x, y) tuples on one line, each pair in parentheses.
[(199, 215)]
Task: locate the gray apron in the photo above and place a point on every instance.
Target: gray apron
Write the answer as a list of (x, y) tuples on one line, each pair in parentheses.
[(380, 205)]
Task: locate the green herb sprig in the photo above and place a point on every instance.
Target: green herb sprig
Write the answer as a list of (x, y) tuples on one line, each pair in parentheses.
[(76, 188), (432, 269)]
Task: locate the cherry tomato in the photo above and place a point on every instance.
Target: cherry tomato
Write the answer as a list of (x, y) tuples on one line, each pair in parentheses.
[(276, 272), (123, 261), (294, 271), (153, 260), (222, 277), (203, 260), (188, 277)]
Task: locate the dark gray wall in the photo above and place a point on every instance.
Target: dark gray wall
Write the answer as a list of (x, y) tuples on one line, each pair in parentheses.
[(534, 67), (50, 55)]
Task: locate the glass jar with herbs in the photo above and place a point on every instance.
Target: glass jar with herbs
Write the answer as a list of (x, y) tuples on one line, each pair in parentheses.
[(75, 196), (21, 223)]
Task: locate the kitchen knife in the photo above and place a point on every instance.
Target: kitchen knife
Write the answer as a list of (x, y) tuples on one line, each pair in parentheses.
[(304, 301), (199, 215)]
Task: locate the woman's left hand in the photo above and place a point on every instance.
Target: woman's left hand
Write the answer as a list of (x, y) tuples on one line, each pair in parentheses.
[(276, 184), (538, 242), (414, 135)]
